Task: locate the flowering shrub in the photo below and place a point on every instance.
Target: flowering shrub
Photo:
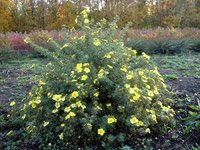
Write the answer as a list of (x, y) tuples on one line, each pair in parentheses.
[(95, 91)]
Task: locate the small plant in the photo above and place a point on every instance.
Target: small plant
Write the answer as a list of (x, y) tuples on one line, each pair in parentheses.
[(193, 120), (169, 77), (95, 92)]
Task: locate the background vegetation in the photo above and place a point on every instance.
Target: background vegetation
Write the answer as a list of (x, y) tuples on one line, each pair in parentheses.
[(27, 15)]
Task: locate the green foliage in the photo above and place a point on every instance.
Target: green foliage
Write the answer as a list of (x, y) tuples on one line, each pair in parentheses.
[(95, 92), (195, 45), (139, 45), (159, 46), (169, 77), (193, 120), (6, 55)]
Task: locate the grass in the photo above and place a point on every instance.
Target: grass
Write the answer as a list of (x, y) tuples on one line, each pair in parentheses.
[(182, 65), (18, 76)]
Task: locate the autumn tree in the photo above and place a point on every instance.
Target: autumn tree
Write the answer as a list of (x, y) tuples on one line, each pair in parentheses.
[(5, 15), (66, 15)]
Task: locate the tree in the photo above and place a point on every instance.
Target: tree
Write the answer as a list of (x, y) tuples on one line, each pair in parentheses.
[(5, 15), (66, 15)]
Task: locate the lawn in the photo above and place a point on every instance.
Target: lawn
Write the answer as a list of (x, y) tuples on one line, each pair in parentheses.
[(181, 73)]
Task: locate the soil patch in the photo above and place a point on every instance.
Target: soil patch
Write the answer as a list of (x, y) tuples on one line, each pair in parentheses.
[(186, 86)]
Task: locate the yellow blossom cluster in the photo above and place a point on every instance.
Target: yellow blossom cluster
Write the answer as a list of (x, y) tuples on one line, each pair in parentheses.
[(102, 72), (136, 122), (70, 115), (97, 42), (111, 120), (35, 102), (108, 55)]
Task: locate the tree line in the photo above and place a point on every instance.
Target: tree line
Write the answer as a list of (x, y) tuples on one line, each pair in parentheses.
[(27, 15)]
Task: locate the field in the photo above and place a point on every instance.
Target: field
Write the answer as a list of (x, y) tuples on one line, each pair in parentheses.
[(181, 73)]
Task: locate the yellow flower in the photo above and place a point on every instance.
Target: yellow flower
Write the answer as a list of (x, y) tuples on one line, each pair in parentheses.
[(136, 96), (79, 67), (89, 125), (61, 136), (127, 86), (64, 46), (141, 73), (84, 13), (108, 105), (74, 94), (62, 125), (54, 111), (156, 91), (109, 66), (154, 117), (50, 39), (86, 21), (96, 94), (41, 82), (101, 73), (147, 130), (73, 105), (107, 56), (148, 86), (58, 97), (27, 40), (150, 94), (49, 95), (45, 123), (84, 77), (140, 123), (164, 108), (99, 108), (87, 70), (123, 69), (95, 81), (12, 103), (145, 56), (33, 105), (67, 109), (86, 64), (134, 120), (97, 42), (78, 104), (134, 52), (71, 114), (83, 107), (111, 120), (76, 20), (101, 131), (131, 90), (144, 79), (57, 105), (24, 116), (129, 76)]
